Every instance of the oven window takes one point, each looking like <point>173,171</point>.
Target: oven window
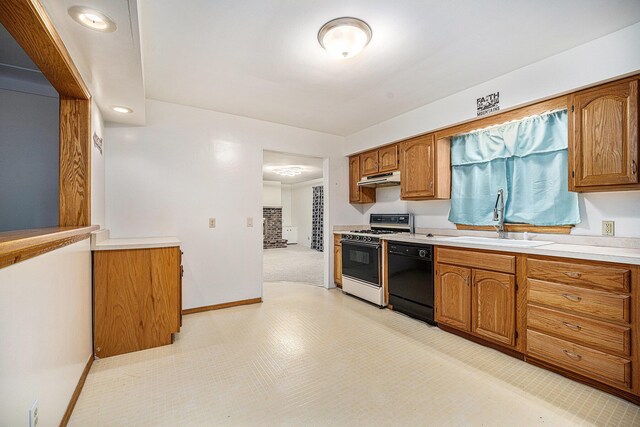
<point>361,262</point>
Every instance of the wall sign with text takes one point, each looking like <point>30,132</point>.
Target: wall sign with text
<point>97,142</point>
<point>488,104</point>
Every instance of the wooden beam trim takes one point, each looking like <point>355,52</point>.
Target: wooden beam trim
<point>76,393</point>
<point>29,24</point>
<point>221,306</point>
<point>17,246</point>
<point>74,201</point>
<point>520,228</point>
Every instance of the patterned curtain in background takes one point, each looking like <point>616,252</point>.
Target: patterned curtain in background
<point>317,229</point>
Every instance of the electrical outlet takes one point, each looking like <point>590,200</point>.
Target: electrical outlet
<point>249,222</point>
<point>212,223</point>
<point>33,414</point>
<point>608,228</point>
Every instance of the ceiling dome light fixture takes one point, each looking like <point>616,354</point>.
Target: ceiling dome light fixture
<point>289,171</point>
<point>123,110</point>
<point>92,19</point>
<point>344,37</point>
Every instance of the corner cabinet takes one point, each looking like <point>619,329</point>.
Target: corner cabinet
<point>358,194</point>
<point>425,171</point>
<point>603,138</point>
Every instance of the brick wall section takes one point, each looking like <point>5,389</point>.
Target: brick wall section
<point>272,229</point>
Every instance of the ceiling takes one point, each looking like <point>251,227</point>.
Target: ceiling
<point>311,167</point>
<point>110,63</point>
<point>261,59</point>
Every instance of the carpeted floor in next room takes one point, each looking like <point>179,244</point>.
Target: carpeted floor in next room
<point>295,263</point>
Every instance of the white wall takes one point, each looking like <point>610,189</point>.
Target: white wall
<point>189,164</point>
<point>45,325</point>
<point>301,209</point>
<point>286,205</point>
<point>271,194</point>
<point>608,57</point>
<point>97,168</point>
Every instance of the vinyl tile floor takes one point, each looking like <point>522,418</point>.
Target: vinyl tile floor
<point>308,356</point>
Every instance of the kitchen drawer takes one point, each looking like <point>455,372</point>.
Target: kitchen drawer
<point>483,260</point>
<point>570,273</point>
<point>602,336</point>
<point>595,364</point>
<point>599,304</point>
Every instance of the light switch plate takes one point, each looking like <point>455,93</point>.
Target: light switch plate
<point>249,222</point>
<point>33,415</point>
<point>608,228</point>
<point>212,223</point>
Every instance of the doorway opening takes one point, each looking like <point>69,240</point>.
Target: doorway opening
<point>293,218</point>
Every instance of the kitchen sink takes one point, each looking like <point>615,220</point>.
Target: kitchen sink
<point>499,242</point>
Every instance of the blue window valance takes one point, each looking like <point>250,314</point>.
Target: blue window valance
<point>527,159</point>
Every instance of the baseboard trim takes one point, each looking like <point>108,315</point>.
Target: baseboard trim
<point>220,306</point>
<point>76,393</point>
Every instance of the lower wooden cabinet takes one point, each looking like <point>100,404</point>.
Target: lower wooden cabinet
<point>582,318</point>
<point>453,296</point>
<point>473,300</point>
<point>337,260</point>
<point>137,299</point>
<point>493,308</point>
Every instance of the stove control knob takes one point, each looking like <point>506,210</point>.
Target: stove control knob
<point>356,237</point>
<point>422,253</point>
<point>368,238</point>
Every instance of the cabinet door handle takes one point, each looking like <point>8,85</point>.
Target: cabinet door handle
<point>466,280</point>
<point>572,355</point>
<point>572,326</point>
<point>574,298</point>
<point>633,167</point>
<point>573,274</point>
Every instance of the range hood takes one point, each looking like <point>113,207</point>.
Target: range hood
<point>380,180</point>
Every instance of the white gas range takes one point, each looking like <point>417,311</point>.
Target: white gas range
<point>362,256</point>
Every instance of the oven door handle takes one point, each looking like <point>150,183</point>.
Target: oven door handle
<point>368,245</point>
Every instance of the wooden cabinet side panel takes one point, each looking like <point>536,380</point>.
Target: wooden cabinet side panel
<point>493,306</point>
<point>165,283</point>
<point>337,260</point>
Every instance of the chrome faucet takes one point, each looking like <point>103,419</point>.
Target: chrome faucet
<point>498,215</point>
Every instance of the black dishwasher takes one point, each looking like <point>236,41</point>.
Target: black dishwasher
<point>411,280</point>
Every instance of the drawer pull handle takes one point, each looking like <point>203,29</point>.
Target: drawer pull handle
<point>572,274</point>
<point>574,298</point>
<point>572,326</point>
<point>572,355</point>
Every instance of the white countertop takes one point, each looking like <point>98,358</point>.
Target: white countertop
<point>100,241</point>
<point>576,251</point>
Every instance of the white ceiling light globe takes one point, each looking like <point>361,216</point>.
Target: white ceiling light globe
<point>344,37</point>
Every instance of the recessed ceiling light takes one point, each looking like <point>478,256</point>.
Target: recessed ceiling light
<point>92,19</point>
<point>344,37</point>
<point>123,110</point>
<point>289,171</point>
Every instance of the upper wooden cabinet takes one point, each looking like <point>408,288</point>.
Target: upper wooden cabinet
<point>603,137</point>
<point>382,160</point>
<point>425,169</point>
<point>358,194</point>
